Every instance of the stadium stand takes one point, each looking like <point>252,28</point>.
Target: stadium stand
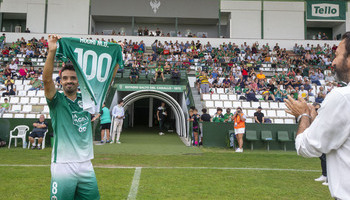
<point>243,65</point>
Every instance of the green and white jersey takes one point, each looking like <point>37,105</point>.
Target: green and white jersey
<point>94,61</point>
<point>72,130</point>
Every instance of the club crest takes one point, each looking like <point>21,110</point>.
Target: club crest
<point>155,5</point>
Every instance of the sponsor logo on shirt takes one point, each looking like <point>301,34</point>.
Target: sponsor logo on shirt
<point>80,120</point>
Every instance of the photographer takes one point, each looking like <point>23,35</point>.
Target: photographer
<point>239,119</point>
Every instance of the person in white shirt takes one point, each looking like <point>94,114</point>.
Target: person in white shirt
<point>304,93</point>
<point>13,67</point>
<point>118,115</point>
<point>329,131</point>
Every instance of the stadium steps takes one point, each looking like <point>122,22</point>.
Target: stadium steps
<point>197,99</point>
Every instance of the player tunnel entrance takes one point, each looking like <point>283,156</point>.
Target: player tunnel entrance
<point>157,96</point>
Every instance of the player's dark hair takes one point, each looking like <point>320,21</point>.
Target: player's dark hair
<point>346,37</point>
<point>68,66</point>
<point>120,101</point>
<point>219,109</point>
<point>204,110</point>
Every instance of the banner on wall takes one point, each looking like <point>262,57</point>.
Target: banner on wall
<point>326,10</point>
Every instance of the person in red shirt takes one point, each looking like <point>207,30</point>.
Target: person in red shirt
<point>6,52</point>
<point>245,73</point>
<point>23,72</point>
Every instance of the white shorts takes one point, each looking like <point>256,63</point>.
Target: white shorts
<point>239,131</point>
<point>73,181</point>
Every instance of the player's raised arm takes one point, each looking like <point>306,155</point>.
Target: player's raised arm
<point>49,85</point>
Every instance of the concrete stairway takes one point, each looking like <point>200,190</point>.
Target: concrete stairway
<point>197,99</point>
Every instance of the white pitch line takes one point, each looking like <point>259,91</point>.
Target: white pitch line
<point>135,184</point>
<point>150,167</point>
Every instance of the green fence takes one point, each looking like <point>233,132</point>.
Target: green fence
<point>6,125</point>
<point>216,134</point>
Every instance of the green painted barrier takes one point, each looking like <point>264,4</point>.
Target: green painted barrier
<point>216,134</point>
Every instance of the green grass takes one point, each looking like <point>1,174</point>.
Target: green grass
<point>151,150</point>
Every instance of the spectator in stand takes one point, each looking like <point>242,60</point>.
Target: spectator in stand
<point>2,81</point>
<point>204,83</point>
<point>321,95</point>
<point>226,83</point>
<point>205,117</point>
<point>40,127</point>
<point>31,72</point>
<point>176,76</point>
<point>259,116</point>
<point>167,68</point>
<point>13,67</point>
<point>319,74</point>
<point>5,52</point>
<point>23,73</point>
<point>314,79</point>
<point>261,76</point>
<point>27,60</point>
<point>27,30</point>
<point>270,90</point>
<point>146,32</point>
<point>329,77</point>
<point>239,126</point>
<point>9,83</point>
<point>303,93</point>
<point>279,93</point>
<point>250,94</point>
<point>36,83</point>
<point>228,115</point>
<point>217,83</point>
<point>159,73</point>
<point>134,74</point>
<point>158,32</point>
<point>218,117</point>
<point>140,31</point>
<point>5,107</point>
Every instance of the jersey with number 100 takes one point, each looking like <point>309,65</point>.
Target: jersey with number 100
<point>94,62</point>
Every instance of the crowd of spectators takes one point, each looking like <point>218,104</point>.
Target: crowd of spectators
<point>229,66</point>
<point>13,69</point>
<point>157,33</point>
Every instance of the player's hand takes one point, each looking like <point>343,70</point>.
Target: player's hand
<point>121,44</point>
<point>297,107</point>
<point>52,42</point>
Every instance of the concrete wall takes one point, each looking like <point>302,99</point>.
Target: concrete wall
<point>245,19</point>
<point>35,10</point>
<point>67,16</point>
<point>36,16</point>
<point>339,29</point>
<point>14,6</point>
<point>347,26</point>
<point>284,20</point>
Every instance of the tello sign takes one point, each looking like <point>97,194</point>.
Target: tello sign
<point>325,10</point>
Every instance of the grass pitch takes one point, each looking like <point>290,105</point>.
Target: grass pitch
<point>169,170</point>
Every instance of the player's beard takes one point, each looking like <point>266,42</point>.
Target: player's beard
<point>70,88</point>
<point>342,71</point>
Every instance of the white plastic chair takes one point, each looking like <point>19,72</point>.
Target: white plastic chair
<point>22,132</point>
<point>36,139</point>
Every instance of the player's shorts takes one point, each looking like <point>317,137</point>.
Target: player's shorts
<point>105,126</point>
<point>37,134</point>
<point>239,131</point>
<point>73,181</point>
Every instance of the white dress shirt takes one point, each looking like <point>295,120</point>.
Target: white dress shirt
<point>330,134</point>
<point>118,111</point>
